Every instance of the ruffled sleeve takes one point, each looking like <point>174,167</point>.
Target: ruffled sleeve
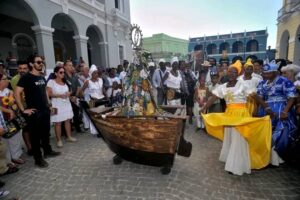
<point>218,91</point>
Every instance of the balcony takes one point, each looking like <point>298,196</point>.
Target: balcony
<point>287,10</point>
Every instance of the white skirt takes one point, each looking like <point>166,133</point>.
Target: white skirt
<point>275,158</point>
<point>64,110</point>
<point>14,146</point>
<point>89,124</point>
<point>235,152</point>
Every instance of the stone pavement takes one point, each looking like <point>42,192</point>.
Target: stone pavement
<point>85,172</point>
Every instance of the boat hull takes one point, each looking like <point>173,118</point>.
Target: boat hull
<point>146,140</point>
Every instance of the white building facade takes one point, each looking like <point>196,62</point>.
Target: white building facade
<point>96,30</point>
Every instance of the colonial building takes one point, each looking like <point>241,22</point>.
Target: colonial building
<point>96,30</point>
<point>242,44</point>
<point>288,31</point>
<point>164,46</point>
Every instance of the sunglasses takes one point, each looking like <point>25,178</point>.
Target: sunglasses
<point>61,72</point>
<point>3,79</point>
<point>39,62</point>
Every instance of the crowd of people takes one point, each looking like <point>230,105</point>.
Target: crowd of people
<point>252,107</point>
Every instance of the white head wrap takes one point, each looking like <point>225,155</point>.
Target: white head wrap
<point>151,64</point>
<point>174,59</point>
<point>92,69</point>
<point>162,60</point>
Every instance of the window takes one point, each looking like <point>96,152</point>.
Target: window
<point>121,54</point>
<point>117,4</point>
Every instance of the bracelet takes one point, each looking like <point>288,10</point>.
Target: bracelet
<point>284,112</point>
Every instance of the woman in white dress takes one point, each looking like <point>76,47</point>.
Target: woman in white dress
<point>246,140</point>
<point>173,80</point>
<point>59,93</point>
<point>94,91</point>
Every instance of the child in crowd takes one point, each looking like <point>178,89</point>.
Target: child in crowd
<point>216,106</point>
<point>200,99</point>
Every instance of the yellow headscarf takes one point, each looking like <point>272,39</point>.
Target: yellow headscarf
<point>248,63</point>
<point>237,65</point>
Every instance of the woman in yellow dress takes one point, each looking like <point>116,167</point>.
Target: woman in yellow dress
<point>246,140</point>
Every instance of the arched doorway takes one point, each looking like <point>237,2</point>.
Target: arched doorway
<point>238,47</point>
<point>17,39</point>
<point>59,51</point>
<point>211,49</point>
<point>96,46</point>
<point>296,59</point>
<point>224,47</point>
<point>65,30</point>
<point>252,46</point>
<point>23,45</point>
<point>284,45</point>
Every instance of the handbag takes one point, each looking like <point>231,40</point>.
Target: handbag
<point>14,126</point>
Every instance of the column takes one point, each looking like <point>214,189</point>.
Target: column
<point>81,47</point>
<point>44,40</point>
<point>104,54</point>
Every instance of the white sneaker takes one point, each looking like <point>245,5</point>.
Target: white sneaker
<point>72,139</point>
<point>3,193</point>
<point>59,144</point>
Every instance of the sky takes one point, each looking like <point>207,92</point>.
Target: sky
<point>196,18</point>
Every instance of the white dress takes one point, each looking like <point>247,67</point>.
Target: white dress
<point>235,149</point>
<point>174,83</point>
<point>95,90</point>
<point>64,108</point>
<point>14,144</point>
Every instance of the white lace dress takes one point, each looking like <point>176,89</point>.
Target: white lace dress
<point>64,108</point>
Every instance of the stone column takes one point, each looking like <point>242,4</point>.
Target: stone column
<point>44,40</point>
<point>104,54</point>
<point>81,47</point>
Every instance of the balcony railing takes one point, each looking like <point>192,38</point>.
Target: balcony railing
<point>288,8</point>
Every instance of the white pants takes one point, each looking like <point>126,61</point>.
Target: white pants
<point>88,124</point>
<point>199,120</point>
<point>235,152</point>
<point>14,146</point>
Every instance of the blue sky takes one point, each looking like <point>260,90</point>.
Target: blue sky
<point>193,18</point>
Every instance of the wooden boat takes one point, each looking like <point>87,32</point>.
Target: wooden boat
<point>151,140</point>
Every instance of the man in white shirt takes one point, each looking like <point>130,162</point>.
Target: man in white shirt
<point>157,82</point>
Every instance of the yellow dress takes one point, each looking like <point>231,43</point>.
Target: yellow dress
<point>256,131</point>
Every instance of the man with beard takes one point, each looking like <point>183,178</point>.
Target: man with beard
<point>36,112</point>
<point>22,69</point>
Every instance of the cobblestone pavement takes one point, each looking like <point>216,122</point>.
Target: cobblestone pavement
<point>85,172</point>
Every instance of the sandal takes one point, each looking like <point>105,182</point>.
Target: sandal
<point>4,193</point>
<point>18,161</point>
<point>10,170</point>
